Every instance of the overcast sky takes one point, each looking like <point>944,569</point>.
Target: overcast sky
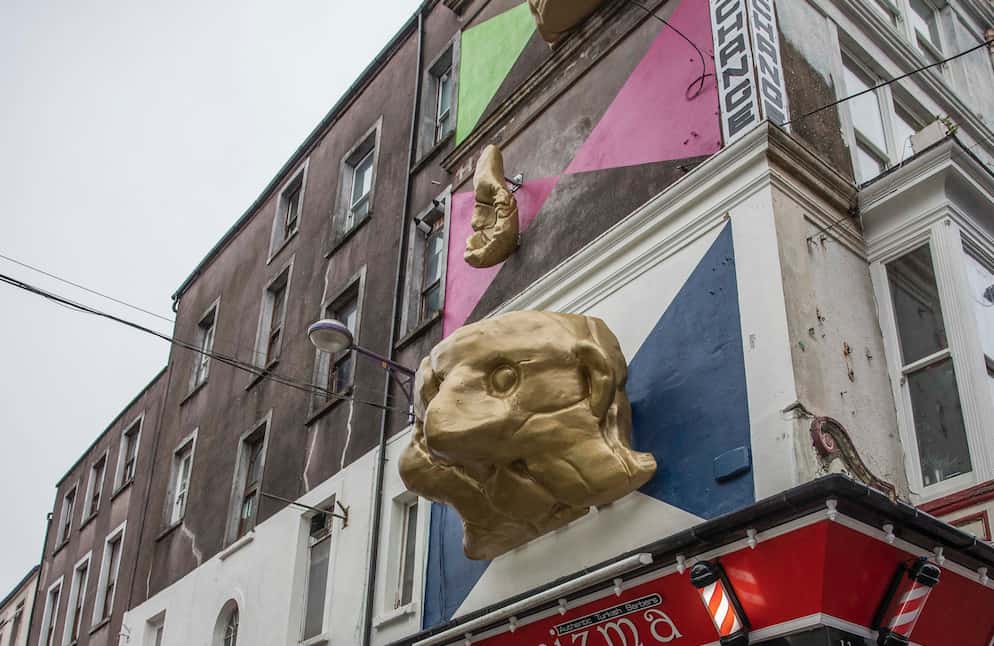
<point>132,135</point>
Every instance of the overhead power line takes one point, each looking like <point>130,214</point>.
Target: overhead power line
<point>222,358</point>
<point>84,288</point>
<point>888,82</point>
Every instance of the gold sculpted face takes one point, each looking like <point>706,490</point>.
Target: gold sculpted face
<point>522,424</point>
<point>495,216</point>
<point>557,17</point>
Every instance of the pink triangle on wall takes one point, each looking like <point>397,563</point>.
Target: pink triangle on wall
<point>651,119</point>
<point>465,285</point>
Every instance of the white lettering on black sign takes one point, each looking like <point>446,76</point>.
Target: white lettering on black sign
<point>734,68</point>
<point>766,40</point>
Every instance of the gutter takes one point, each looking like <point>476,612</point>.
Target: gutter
<point>381,461</point>
<point>20,585</point>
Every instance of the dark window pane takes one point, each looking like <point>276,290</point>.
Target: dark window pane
<point>917,309</point>
<point>942,445</point>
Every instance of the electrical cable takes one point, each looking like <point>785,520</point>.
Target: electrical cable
<point>699,81</point>
<point>224,359</point>
<point>886,83</point>
<point>84,288</point>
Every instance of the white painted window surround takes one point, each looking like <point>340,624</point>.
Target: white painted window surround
<point>110,566</point>
<point>50,616</point>
<point>935,342</point>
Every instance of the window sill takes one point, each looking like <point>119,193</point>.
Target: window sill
<point>340,241</point>
<point>237,546</point>
<point>328,406</point>
<point>60,547</point>
<point>320,640</point>
<point>283,245</point>
<point>122,488</point>
<point>432,151</point>
<point>193,391</point>
<point>420,329</point>
<point>265,373</point>
<point>169,530</point>
<point>97,626</point>
<point>88,520</point>
<point>395,615</point>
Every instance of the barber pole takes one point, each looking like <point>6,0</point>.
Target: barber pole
<point>721,603</point>
<point>904,605</point>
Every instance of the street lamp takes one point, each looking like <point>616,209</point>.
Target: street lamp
<point>333,336</point>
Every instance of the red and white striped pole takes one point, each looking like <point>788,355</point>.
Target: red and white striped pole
<point>721,603</point>
<point>907,603</point>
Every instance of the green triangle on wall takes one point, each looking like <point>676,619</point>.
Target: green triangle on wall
<point>488,51</point>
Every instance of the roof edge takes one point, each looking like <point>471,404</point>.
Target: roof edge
<point>20,585</point>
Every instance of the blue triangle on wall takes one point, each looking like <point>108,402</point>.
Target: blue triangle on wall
<point>687,386</point>
<point>689,407</point>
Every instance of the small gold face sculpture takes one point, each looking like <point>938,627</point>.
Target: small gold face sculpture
<point>495,216</point>
<point>522,424</point>
<point>555,18</point>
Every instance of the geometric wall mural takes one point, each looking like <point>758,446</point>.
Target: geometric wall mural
<point>687,387</point>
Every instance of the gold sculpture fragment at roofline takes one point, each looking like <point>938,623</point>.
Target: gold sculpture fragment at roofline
<point>522,424</point>
<point>495,216</point>
<point>556,18</point>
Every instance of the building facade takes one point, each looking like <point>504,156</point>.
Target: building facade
<point>15,611</point>
<point>801,281</point>
<point>87,570</point>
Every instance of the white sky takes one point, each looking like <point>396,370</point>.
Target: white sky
<point>132,135</point>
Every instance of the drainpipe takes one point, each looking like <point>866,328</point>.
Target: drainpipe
<point>381,462</point>
<point>39,583</point>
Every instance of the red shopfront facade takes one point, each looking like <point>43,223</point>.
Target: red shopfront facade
<point>822,565</point>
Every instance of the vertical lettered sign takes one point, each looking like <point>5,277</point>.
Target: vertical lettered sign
<point>769,68</point>
<point>737,93</point>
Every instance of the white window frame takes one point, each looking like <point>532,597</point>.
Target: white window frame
<point>283,277</point>
<point>899,13</point>
<point>391,607</point>
<point>119,477</point>
<point>155,627</point>
<point>95,488</point>
<point>175,512</point>
<point>50,616</point>
<point>100,612</point>
<point>77,590</point>
<point>896,151</point>
<point>441,206</point>
<point>66,515</point>
<point>366,149</point>
<point>355,287</point>
<point>280,236</point>
<point>206,335</point>
<point>238,484</point>
<point>945,238</point>
<point>307,542</point>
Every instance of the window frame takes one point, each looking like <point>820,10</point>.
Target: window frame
<point>366,148</point>
<point>324,364</point>
<point>429,138</point>
<point>50,614</point>
<point>120,469</point>
<point>412,318</point>
<point>155,628</point>
<point>947,240</point>
<point>206,336</point>
<point>66,514</point>
<point>891,109</point>
<point>15,623</point>
<point>264,336</point>
<point>94,490</point>
<point>186,448</point>
<point>900,12</point>
<point>239,487</point>
<point>76,601</point>
<point>281,235</point>
<point>309,542</point>
<point>101,611</point>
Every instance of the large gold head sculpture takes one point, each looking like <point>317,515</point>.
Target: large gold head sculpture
<point>522,424</point>
<point>495,215</point>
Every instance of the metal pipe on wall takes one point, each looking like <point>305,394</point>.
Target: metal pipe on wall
<point>374,550</point>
